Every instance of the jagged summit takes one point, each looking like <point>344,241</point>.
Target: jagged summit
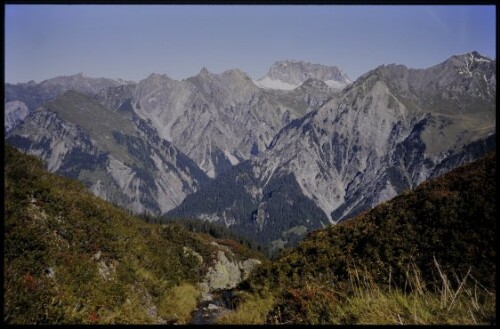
<point>204,71</point>
<point>158,76</point>
<point>314,83</point>
<point>289,74</point>
<point>236,73</point>
<point>467,60</point>
<point>474,55</point>
<point>296,72</point>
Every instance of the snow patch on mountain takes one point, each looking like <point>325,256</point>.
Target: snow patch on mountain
<point>288,75</point>
<point>336,85</point>
<point>296,72</point>
<point>268,83</point>
<point>482,59</point>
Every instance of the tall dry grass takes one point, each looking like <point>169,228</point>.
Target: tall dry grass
<point>454,299</point>
<point>252,310</point>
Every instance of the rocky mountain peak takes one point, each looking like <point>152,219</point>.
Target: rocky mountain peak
<point>204,71</point>
<point>313,83</point>
<point>157,76</point>
<point>32,95</point>
<point>154,81</point>
<point>473,56</point>
<point>237,73</point>
<point>466,62</point>
<point>296,72</point>
<point>289,74</point>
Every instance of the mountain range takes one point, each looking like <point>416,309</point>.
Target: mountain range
<point>390,130</point>
<point>265,161</point>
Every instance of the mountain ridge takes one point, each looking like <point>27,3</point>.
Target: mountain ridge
<point>337,151</point>
<point>32,95</point>
<point>116,154</point>
<point>371,142</point>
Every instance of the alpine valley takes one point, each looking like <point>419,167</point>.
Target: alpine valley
<point>271,159</point>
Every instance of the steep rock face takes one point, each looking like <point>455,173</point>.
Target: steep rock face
<point>218,120</point>
<point>460,95</point>
<point>116,154</point>
<point>15,112</point>
<point>288,75</point>
<point>387,132</point>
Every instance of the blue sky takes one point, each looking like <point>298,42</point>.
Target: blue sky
<point>130,42</point>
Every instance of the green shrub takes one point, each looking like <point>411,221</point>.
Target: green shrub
<point>177,304</point>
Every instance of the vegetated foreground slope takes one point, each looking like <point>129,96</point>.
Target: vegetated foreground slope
<point>71,257</point>
<point>426,256</point>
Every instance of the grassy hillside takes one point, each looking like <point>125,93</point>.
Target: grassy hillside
<point>98,121</point>
<point>70,257</point>
<point>426,256</point>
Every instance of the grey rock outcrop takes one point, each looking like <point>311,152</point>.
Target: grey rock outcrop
<point>15,112</point>
<point>225,273</point>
